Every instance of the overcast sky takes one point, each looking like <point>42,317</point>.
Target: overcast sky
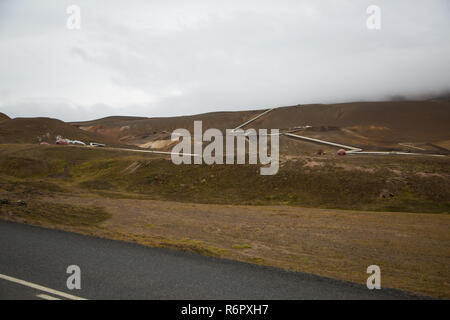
<point>165,58</point>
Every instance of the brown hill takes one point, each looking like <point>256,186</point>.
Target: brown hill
<point>364,124</point>
<point>368,125</point>
<point>416,118</point>
<point>34,130</point>
<point>139,131</point>
<point>3,117</point>
<point>107,121</point>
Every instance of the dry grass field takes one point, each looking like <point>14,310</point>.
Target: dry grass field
<point>412,249</point>
<point>324,215</point>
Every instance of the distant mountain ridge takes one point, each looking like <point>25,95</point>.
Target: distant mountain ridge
<point>384,121</point>
<point>36,130</point>
<point>369,125</point>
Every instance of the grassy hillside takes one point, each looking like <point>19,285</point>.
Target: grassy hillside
<point>413,184</point>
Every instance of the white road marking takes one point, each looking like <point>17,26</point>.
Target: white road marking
<point>41,288</point>
<point>47,297</point>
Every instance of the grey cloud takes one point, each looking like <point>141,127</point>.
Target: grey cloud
<point>154,58</point>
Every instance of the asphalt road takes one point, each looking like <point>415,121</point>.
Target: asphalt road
<point>33,264</point>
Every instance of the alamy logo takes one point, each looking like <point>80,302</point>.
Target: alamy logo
<point>374,281</point>
<point>74,280</point>
<point>74,20</point>
<point>374,20</point>
<point>235,140</point>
